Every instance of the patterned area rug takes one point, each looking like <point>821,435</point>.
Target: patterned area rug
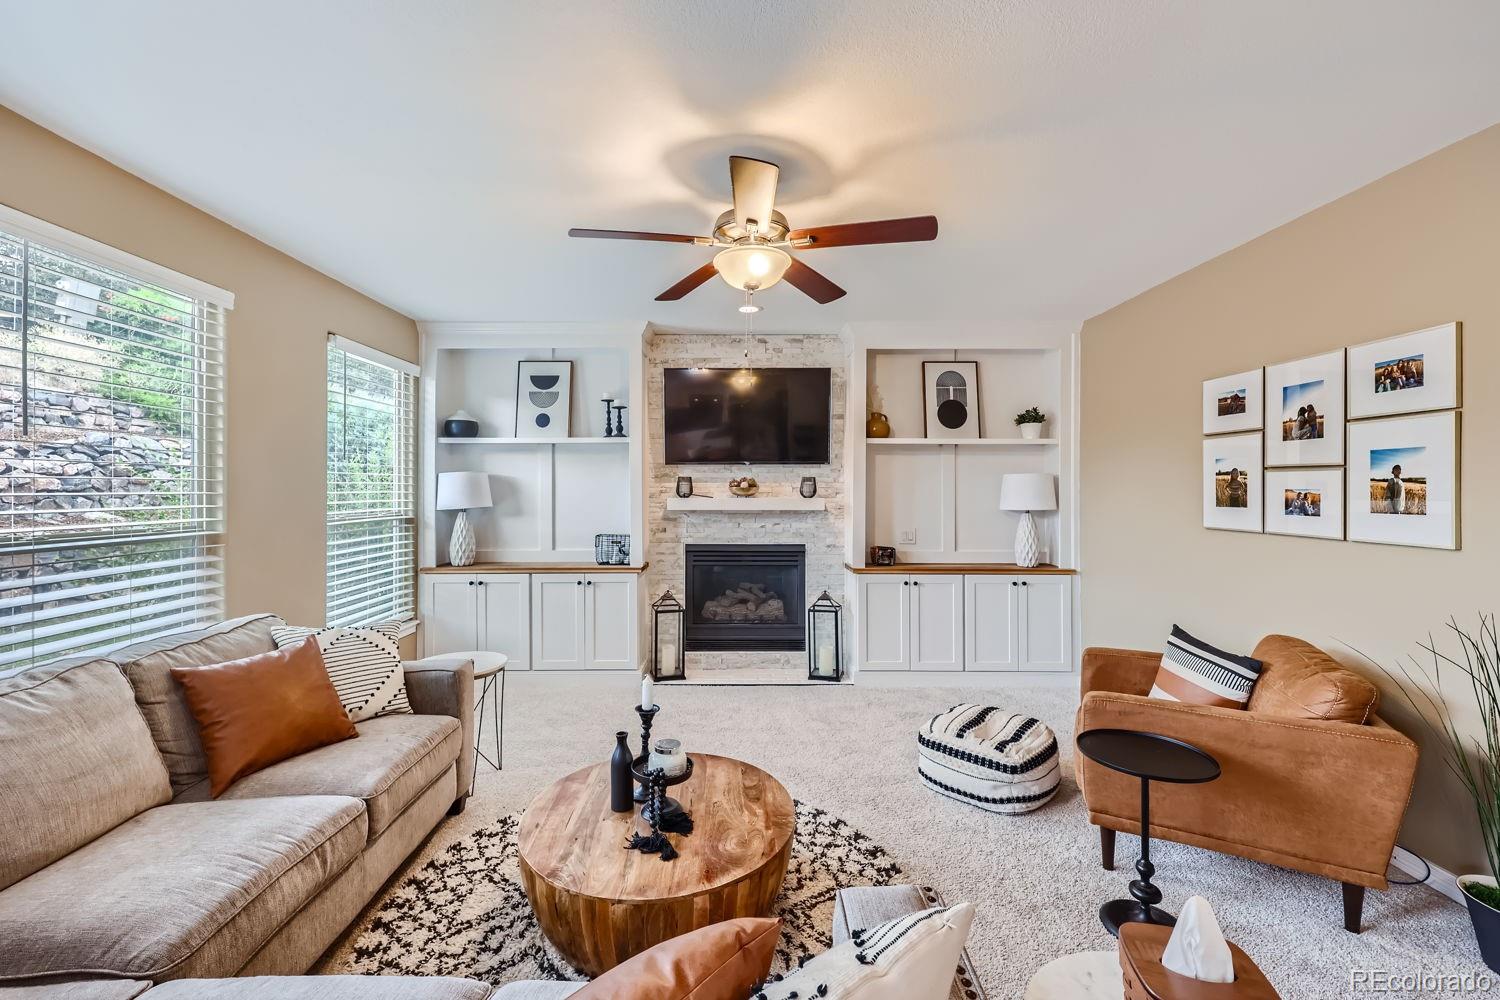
<point>465,913</point>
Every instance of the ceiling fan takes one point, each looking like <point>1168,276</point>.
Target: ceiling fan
<point>755,240</point>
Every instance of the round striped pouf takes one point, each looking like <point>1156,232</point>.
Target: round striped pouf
<point>1001,761</point>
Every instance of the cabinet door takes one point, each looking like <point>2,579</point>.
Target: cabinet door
<point>505,617</point>
<point>557,605</point>
<point>992,633</point>
<point>449,612</point>
<point>1047,623</point>
<point>884,622</point>
<point>610,621</point>
<point>937,621</point>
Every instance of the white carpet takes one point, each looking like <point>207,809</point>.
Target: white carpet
<point>1035,879</point>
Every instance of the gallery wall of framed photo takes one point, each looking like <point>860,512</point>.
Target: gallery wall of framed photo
<point>1359,444</point>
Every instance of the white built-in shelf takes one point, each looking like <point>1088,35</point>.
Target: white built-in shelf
<point>744,505</point>
<point>534,441</point>
<point>965,442</point>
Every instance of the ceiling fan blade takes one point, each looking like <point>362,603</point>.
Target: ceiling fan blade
<point>625,234</point>
<point>754,185</point>
<point>689,283</point>
<point>851,234</point>
<point>813,284</point>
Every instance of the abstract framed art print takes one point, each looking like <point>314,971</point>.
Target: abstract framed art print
<point>950,397</point>
<point>544,399</point>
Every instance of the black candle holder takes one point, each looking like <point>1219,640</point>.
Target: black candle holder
<point>619,420</point>
<point>642,793</point>
<point>608,431</point>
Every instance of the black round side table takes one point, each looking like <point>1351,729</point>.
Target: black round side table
<point>1150,757</point>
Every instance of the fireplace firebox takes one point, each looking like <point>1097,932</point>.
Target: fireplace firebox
<point>746,597</point>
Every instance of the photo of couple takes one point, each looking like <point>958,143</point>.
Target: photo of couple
<point>1402,373</point>
<point>1302,503</point>
<point>1300,419</point>
<point>1397,484</point>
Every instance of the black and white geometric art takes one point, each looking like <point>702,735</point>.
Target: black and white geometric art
<point>544,397</point>
<point>950,392</point>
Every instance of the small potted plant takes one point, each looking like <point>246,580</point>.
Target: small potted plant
<point>1031,422</point>
<point>1472,753</point>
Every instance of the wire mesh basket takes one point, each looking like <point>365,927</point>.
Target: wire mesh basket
<point>612,550</point>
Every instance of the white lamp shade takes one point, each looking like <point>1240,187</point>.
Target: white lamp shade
<point>463,490</point>
<point>752,265</point>
<point>1028,491</point>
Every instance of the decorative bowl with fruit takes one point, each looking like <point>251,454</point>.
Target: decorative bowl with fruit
<point>744,486</point>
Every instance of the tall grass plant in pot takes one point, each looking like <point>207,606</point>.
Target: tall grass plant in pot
<point>1474,758</point>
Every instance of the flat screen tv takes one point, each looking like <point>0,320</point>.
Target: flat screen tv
<point>768,416</point>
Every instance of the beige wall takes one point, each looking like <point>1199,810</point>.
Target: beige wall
<point>277,400</point>
<point>1414,249</point>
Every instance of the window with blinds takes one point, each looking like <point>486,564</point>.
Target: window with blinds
<point>372,527</point>
<point>111,449</point>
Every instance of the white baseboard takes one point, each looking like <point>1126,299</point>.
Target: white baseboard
<point>1440,879</point>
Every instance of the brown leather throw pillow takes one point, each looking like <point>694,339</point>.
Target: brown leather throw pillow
<point>254,712</point>
<point>722,961</point>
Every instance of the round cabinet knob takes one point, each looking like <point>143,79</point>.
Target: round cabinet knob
<point>916,583</point>
<point>1023,583</point>
<point>471,583</point>
<point>579,582</point>
<point>1014,583</point>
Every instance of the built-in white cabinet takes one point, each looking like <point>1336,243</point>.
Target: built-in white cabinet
<point>465,611</point>
<point>1018,622</point>
<point>952,622</point>
<point>911,622</point>
<point>544,621</point>
<point>582,622</point>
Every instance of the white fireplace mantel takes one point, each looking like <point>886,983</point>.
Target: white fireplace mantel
<point>744,505</point>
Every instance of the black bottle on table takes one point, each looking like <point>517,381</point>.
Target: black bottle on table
<point>621,783</point>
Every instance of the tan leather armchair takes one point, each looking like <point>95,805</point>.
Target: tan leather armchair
<point>1312,779</point>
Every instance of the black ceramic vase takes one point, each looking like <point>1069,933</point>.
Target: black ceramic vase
<point>621,784</point>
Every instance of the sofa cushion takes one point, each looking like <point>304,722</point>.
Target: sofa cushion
<point>1193,671</point>
<point>363,663</point>
<point>148,666</point>
<point>77,989</point>
<point>262,710</point>
<point>394,760</point>
<point>182,889</point>
<point>323,988</point>
<point>76,760</point>
<point>1300,681</point>
<point>723,961</point>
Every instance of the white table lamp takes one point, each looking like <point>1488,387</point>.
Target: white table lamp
<point>463,492</point>
<point>1026,492</point>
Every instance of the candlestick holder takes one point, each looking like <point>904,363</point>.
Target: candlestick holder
<point>608,431</point>
<point>619,420</point>
<point>647,715</point>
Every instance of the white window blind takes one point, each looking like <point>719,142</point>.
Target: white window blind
<point>372,525</point>
<point>111,449</point>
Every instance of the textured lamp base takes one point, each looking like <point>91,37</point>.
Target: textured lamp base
<point>1028,545</point>
<point>461,545</point>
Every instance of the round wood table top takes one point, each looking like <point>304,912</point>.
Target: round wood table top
<point>743,820</point>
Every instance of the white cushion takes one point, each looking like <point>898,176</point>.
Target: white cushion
<point>1000,761</point>
<point>363,663</point>
<point>909,958</point>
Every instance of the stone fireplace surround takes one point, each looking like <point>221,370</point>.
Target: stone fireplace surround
<point>821,533</point>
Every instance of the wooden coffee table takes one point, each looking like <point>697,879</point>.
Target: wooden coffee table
<point>599,904</point>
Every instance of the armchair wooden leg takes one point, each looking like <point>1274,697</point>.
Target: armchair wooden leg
<point>458,805</point>
<point>1107,848</point>
<point>1354,905</point>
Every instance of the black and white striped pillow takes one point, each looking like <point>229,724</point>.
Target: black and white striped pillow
<point>363,663</point>
<point>1192,671</point>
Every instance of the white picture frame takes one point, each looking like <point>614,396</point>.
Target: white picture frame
<point>544,399</point>
<point>1313,385</point>
<point>1308,503</point>
<point>1416,372</point>
<point>1425,447</point>
<point>1227,459</point>
<point>950,399</point>
<point>1233,404</point>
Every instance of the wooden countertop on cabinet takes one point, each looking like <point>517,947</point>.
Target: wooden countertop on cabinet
<point>966,569</point>
<point>534,568</point>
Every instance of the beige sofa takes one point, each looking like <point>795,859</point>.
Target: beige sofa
<point>116,865</point>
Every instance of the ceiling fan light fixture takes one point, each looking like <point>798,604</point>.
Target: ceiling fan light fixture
<point>751,267</point>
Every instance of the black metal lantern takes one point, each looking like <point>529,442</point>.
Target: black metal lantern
<point>825,650</point>
<point>668,657</point>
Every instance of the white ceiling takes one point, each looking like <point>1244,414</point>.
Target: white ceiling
<point>433,154</point>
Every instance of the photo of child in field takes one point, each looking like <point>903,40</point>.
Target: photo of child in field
<point>1300,419</point>
<point>1401,373</point>
<point>1302,503</point>
<point>1231,488</point>
<point>1398,481</point>
<point>1232,403</point>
